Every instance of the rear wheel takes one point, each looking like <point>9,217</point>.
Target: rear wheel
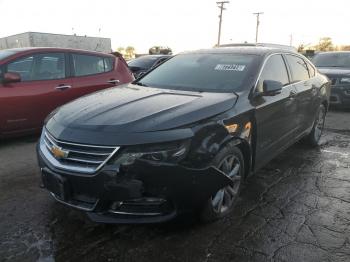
<point>230,161</point>
<point>314,137</point>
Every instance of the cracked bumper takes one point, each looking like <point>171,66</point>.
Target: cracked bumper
<point>143,193</point>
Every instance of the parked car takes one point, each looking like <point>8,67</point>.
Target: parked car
<point>160,50</point>
<point>142,64</point>
<point>336,65</point>
<point>35,81</point>
<point>183,137</point>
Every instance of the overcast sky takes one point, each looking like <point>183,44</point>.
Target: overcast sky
<point>180,24</point>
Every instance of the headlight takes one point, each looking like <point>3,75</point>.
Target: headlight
<point>345,80</point>
<point>168,153</point>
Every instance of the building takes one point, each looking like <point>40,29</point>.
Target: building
<point>35,39</point>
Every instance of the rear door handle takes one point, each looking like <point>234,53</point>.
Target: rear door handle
<point>63,87</point>
<point>113,81</point>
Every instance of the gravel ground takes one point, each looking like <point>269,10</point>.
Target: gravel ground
<point>295,209</point>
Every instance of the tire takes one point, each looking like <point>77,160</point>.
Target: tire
<point>313,139</point>
<point>224,200</point>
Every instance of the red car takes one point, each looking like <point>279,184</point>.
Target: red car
<point>35,81</point>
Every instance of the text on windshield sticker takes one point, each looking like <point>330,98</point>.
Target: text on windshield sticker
<point>222,67</point>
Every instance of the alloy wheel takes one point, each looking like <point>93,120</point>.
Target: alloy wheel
<point>225,197</point>
<point>319,124</point>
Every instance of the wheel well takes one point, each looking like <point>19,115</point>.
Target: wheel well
<point>246,151</point>
<point>325,103</point>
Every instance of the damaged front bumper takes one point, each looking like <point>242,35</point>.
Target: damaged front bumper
<point>146,192</point>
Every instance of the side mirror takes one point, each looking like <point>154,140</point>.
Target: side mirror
<point>271,87</point>
<point>11,77</point>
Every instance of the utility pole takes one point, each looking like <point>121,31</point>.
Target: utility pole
<point>221,5</point>
<point>257,25</point>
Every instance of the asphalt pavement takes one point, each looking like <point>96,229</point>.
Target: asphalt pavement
<point>297,208</point>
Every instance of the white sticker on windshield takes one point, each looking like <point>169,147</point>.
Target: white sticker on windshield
<point>222,67</point>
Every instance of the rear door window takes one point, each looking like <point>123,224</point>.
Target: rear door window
<point>274,69</point>
<point>85,65</point>
<point>298,67</point>
<point>49,66</point>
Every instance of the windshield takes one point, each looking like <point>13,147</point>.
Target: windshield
<point>332,60</point>
<point>6,53</point>
<point>143,62</point>
<point>201,72</point>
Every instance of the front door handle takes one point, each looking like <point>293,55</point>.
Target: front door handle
<point>63,87</point>
<point>113,81</point>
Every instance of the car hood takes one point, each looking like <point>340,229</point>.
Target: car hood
<point>334,71</point>
<point>135,109</point>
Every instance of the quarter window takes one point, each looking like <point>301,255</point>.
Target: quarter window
<point>274,69</point>
<point>298,67</point>
<point>90,65</point>
<point>108,64</point>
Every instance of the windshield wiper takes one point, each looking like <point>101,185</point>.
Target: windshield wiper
<point>140,84</point>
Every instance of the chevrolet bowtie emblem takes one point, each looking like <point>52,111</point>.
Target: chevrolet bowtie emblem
<point>58,152</point>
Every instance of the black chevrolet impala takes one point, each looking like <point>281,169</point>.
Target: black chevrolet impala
<point>182,138</point>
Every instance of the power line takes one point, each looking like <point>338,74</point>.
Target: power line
<point>257,25</point>
<point>221,5</point>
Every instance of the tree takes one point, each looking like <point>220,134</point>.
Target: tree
<point>301,48</point>
<point>325,44</point>
<point>121,49</point>
<point>345,48</point>
<point>130,52</point>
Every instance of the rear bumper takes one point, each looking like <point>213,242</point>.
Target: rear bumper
<point>143,193</point>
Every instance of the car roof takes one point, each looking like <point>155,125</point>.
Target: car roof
<point>255,50</point>
<point>50,49</point>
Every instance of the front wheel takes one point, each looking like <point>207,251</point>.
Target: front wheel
<point>314,137</point>
<point>230,161</point>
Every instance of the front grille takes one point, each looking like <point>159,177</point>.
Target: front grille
<point>334,81</point>
<point>75,157</point>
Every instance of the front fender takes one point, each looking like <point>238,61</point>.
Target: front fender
<point>211,138</point>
